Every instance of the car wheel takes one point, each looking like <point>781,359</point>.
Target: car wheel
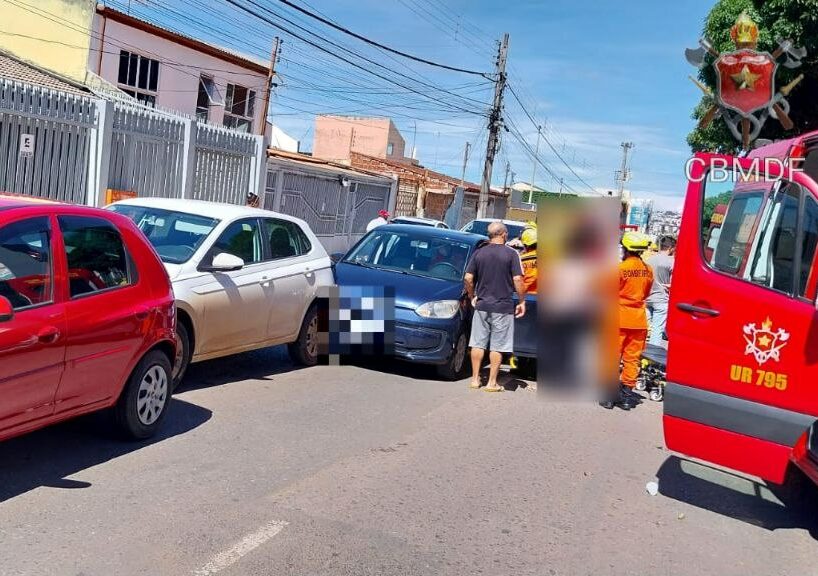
<point>304,351</point>
<point>455,366</point>
<point>144,401</point>
<point>183,354</point>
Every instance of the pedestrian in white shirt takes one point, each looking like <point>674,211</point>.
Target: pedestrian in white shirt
<point>383,218</point>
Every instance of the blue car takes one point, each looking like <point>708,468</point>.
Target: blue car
<point>425,267</point>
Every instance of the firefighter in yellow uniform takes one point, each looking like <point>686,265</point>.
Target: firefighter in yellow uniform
<point>529,259</point>
<point>635,282</point>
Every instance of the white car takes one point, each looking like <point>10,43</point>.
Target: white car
<point>243,278</point>
<point>418,221</point>
<point>481,226</point>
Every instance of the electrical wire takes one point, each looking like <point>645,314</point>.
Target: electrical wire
<point>548,142</point>
<point>342,58</point>
<point>348,32</point>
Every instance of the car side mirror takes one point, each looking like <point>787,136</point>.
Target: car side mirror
<point>336,257</point>
<point>6,310</point>
<point>224,262</point>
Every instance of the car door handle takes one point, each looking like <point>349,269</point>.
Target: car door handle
<point>265,281</point>
<point>309,273</point>
<point>697,310</point>
<point>141,314</point>
<point>48,334</point>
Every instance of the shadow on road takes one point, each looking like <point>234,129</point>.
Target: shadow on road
<point>510,380</point>
<point>48,456</point>
<point>256,365</point>
<point>791,506</point>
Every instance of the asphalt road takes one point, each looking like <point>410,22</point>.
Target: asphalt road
<point>267,470</point>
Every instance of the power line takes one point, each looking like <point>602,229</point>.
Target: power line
<point>547,141</point>
<point>515,132</point>
<point>187,20</point>
<point>379,45</point>
<point>339,57</point>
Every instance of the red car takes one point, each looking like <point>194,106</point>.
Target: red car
<point>87,319</point>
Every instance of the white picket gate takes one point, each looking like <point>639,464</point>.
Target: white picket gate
<point>45,142</point>
<point>73,148</point>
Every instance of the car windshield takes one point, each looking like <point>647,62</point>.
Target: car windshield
<point>175,235</point>
<point>420,255</point>
<point>482,227</point>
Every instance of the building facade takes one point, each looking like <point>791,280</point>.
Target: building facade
<point>337,137</point>
<point>162,68</point>
<point>52,34</point>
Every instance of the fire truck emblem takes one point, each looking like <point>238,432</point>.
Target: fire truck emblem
<point>745,94</point>
<point>764,343</point>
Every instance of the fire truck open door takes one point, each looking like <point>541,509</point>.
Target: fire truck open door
<point>743,328</point>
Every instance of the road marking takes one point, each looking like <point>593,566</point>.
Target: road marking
<point>246,545</point>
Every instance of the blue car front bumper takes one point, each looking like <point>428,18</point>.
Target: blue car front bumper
<point>425,340</point>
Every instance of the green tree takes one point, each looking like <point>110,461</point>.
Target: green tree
<point>710,206</point>
<point>793,19</point>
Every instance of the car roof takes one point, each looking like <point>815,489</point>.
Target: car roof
<point>217,210</point>
<point>512,222</point>
<point>8,201</point>
<point>416,219</point>
<point>431,232</point>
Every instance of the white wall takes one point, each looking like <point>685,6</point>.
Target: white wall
<point>179,69</point>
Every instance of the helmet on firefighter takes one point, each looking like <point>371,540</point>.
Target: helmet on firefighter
<point>635,241</point>
<point>529,237</point>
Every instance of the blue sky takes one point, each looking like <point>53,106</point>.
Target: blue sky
<point>594,73</point>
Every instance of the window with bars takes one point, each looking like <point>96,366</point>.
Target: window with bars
<point>138,76</point>
<point>239,107</point>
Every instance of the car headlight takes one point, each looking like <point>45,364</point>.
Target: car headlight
<point>438,309</point>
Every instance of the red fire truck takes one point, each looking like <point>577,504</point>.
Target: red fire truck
<point>742,366</point>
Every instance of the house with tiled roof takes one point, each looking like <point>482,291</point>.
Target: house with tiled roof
<point>118,55</point>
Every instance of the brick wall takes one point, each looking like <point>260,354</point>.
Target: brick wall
<point>439,187</point>
<point>437,203</point>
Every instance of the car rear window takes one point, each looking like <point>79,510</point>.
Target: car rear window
<point>482,228</point>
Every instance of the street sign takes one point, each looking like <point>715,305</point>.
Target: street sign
<point>26,145</point>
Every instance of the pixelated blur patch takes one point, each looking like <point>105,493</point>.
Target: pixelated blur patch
<point>577,308</point>
<point>356,321</point>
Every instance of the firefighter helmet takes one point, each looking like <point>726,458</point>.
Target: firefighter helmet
<point>635,241</point>
<point>529,237</point>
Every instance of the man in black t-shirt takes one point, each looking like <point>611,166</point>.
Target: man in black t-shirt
<point>492,276</point>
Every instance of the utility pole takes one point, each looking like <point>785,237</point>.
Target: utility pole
<point>562,183</point>
<point>505,182</point>
<point>465,162</point>
<point>534,163</point>
<point>495,123</point>
<point>624,174</point>
<point>273,59</point>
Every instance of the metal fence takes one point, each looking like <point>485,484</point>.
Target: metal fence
<point>336,208</point>
<point>225,164</point>
<point>73,148</point>
<point>45,142</point>
<point>146,152</point>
